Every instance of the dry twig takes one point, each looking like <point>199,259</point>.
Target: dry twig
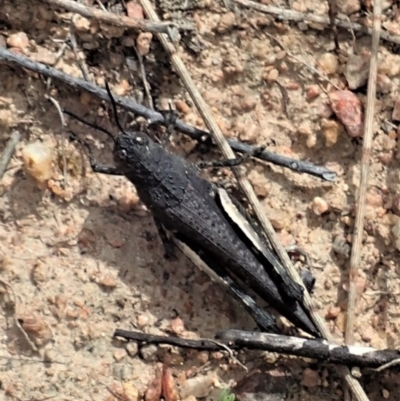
<point>9,151</point>
<point>111,18</point>
<point>156,117</point>
<point>355,258</point>
<point>288,345</point>
<point>291,15</point>
<point>79,58</point>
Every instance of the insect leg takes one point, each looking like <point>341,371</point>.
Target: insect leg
<point>305,274</point>
<point>167,243</point>
<point>263,319</point>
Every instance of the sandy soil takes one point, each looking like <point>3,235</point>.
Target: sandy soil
<point>78,262</point>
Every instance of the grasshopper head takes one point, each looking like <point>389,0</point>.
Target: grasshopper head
<point>131,148</point>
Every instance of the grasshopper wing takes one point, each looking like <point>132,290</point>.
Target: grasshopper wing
<point>290,289</point>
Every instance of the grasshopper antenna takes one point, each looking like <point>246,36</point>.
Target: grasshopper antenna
<point>89,124</point>
<point>114,106</point>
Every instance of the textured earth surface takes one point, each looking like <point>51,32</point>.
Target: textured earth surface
<point>80,255</point>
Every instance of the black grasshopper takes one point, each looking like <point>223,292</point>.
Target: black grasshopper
<point>193,210</point>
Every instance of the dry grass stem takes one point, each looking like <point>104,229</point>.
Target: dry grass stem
<point>365,164</point>
<point>111,18</point>
<point>297,16</point>
<point>8,152</point>
<point>62,125</point>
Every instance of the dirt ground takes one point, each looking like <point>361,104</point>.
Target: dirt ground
<point>80,261</point>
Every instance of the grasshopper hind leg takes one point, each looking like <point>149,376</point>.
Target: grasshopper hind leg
<point>169,246</point>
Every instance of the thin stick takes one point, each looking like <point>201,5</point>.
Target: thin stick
<point>8,152</point>
<point>355,258</point>
<point>311,68</point>
<point>291,15</point>
<point>79,58</point>
<point>16,321</point>
<point>287,345</point>
<point>156,117</point>
<point>145,82</point>
<point>62,125</point>
<point>111,18</point>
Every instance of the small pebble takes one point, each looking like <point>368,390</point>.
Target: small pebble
<point>260,184</point>
<point>170,391</point>
<point>319,206</point>
<point>131,393</point>
<point>332,313</point>
<point>39,272</point>
<point>38,158</point>
<point>182,107</point>
<point>368,334</point>
<point>19,40</point>
<point>272,76</point>
<point>348,7</point>
<point>81,24</point>
<point>385,394</point>
<point>279,219</point>
<point>149,352</point>
<point>356,372</point>
<point>49,355</point>
<point>310,378</point>
<point>143,42</point>
<point>132,349</point>
<point>305,129</point>
<point>311,141</point>
<point>226,23</point>
<point>134,10</point>
<point>177,326</point>
<point>217,355</point>
<point>154,388</point>
<point>202,357</point>
<point>143,320</point>
<point>357,70</point>
<point>313,91</point>
<point>347,107</point>
<point>328,63</point>
<point>330,129</point>
<point>108,281</point>
<point>199,386</point>
<point>383,84</point>
<point>119,354</point>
